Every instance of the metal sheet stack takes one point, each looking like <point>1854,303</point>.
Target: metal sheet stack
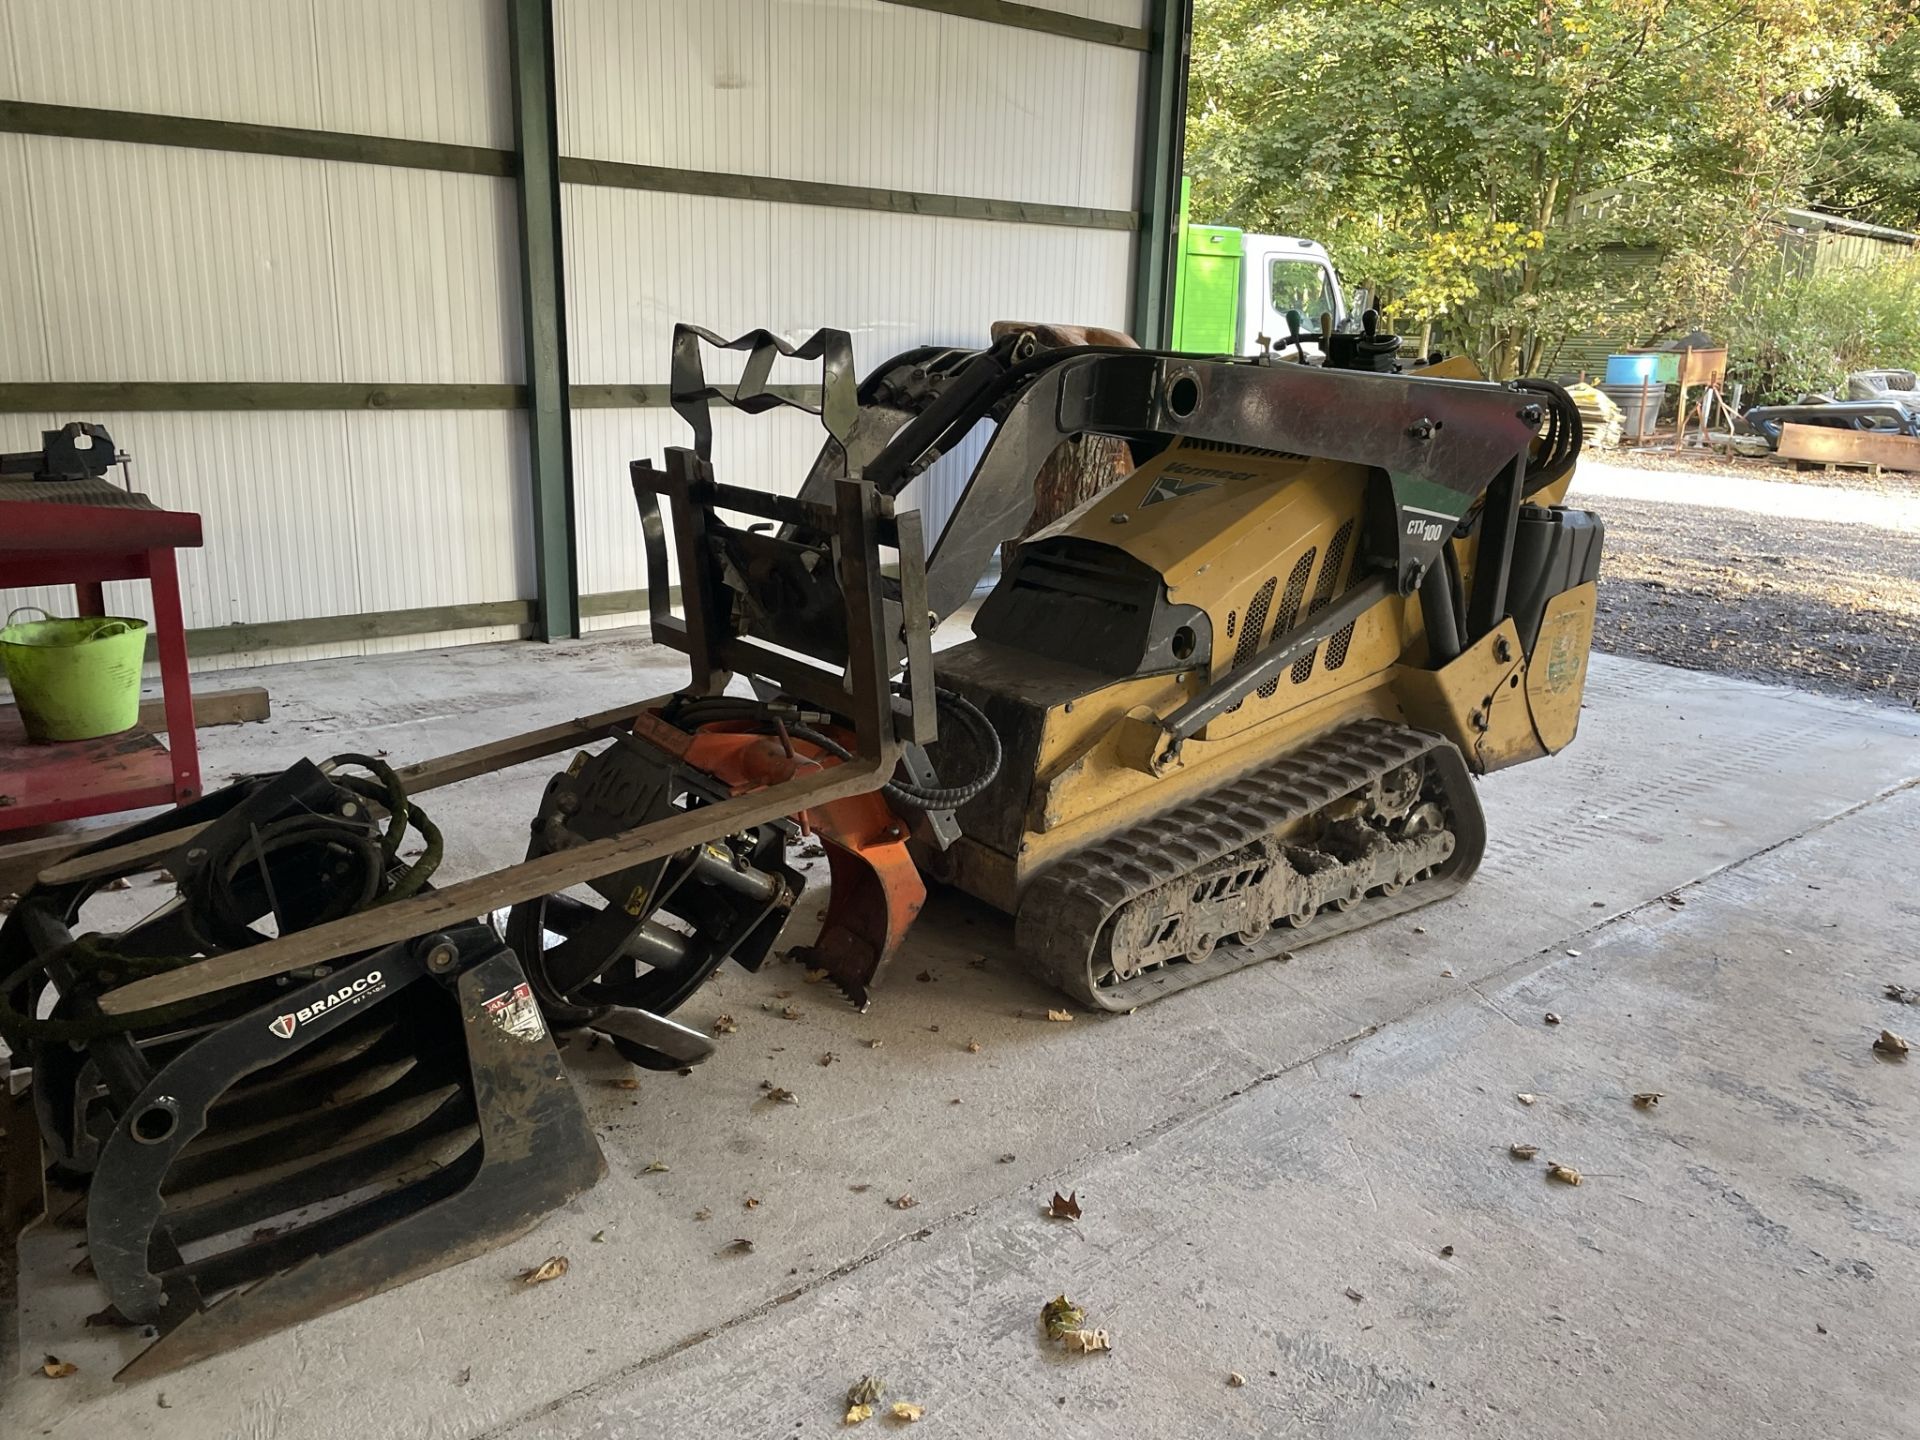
<point>1602,418</point>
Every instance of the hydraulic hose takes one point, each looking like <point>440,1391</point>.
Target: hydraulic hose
<point>1560,447</point>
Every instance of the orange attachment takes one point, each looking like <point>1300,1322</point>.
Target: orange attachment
<point>874,889</point>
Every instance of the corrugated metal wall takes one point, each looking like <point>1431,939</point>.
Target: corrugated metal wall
<point>141,262</point>
<point>851,92</point>
<point>127,262</point>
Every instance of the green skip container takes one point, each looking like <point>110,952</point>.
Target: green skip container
<point>74,679</point>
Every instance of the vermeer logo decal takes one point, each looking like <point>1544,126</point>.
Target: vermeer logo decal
<point>1171,487</point>
<point>371,983</point>
<point>1180,478</point>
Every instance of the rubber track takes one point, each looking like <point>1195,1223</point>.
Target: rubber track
<point>1065,911</point>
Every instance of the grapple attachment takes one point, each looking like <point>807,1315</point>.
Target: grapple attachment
<point>261,1155</point>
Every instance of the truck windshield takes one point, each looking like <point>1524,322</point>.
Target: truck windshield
<point>1302,285</point>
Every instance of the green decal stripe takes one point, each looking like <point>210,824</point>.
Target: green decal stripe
<point>1428,495</point>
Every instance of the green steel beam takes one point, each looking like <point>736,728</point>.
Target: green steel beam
<point>543,310</point>
<point>1033,17</point>
<point>97,396</point>
<point>391,624</point>
<point>619,175</point>
<point>21,117</point>
<point>187,132</point>
<point>1163,136</point>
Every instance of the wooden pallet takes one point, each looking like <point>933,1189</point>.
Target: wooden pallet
<point>1868,449</point>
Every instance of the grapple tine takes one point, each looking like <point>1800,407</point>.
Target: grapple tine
<point>530,1150</point>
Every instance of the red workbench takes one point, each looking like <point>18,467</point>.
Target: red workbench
<point>83,533</point>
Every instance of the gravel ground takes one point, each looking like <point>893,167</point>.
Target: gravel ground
<point>1819,605</point>
<point>1760,467</point>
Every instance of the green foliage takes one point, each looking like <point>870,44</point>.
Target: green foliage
<point>1790,334</point>
<point>1476,163</point>
<point>1869,164</point>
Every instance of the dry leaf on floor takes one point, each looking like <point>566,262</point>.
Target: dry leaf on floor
<point>1903,994</point>
<point>1354,1295</point>
<point>905,1412</point>
<point>752,1202</point>
<point>1523,1152</point>
<point>1060,1016</point>
<point>827,1058</point>
<point>1236,1379</point>
<point>1891,1044</point>
<point>1008,1158</point>
<point>1551,1018</point>
<point>551,1268</point>
<point>119,882</point>
<point>1647,1099</point>
<point>725,1025</point>
<point>54,1368</point>
<point>1446,974</point>
<point>1059,1315</point>
<point>973,1047</point>
<point>1085,1342</point>
<point>739,1245</point>
<point>814,977</point>
<point>599,1237</point>
<point>1525,1099</point>
<point>703,1213</point>
<point>857,1413</point>
<point>625,1082</point>
<point>1565,1174</point>
<point>781,1095</point>
<point>875,1044</point>
<point>1064,1207</point>
<point>903,1202</point>
<point>865,1390</point>
<point>1446,1252</point>
<point>654,1167</point>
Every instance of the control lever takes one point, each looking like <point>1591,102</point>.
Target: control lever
<point>1294,321</point>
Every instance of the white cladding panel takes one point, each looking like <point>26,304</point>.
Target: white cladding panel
<point>208,266</point>
<point>850,92</point>
<point>638,261</point>
<point>148,263</point>
<point>324,513</point>
<point>893,281</point>
<point>416,69</point>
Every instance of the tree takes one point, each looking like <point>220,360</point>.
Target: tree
<point>1869,161</point>
<point>1472,161</point>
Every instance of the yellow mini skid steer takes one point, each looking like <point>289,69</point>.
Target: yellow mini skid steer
<point>1229,706</point>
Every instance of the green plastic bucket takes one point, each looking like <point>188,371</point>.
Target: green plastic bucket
<point>74,679</point>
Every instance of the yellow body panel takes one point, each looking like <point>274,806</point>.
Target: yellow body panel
<point>1259,542</point>
<point>1557,673</point>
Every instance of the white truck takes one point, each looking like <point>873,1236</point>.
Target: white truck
<point>1234,288</point>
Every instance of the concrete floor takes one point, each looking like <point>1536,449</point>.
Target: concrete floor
<point>1252,1155</point>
